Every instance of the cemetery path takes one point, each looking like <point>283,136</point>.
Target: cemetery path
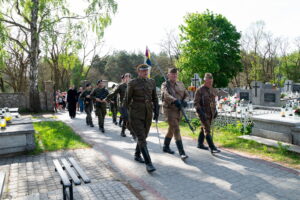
<point>202,176</point>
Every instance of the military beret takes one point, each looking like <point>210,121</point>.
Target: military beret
<point>208,76</point>
<point>172,70</point>
<point>142,67</point>
<point>99,81</point>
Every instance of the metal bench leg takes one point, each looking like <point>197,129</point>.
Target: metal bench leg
<point>71,192</point>
<point>64,193</point>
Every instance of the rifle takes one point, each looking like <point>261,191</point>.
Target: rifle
<point>181,107</point>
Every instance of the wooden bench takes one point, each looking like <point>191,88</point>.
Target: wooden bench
<point>2,177</point>
<point>70,172</point>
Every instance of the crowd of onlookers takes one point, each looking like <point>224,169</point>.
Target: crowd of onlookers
<point>61,100</point>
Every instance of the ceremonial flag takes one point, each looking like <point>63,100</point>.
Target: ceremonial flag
<point>147,60</point>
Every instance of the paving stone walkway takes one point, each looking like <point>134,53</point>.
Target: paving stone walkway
<point>34,177</point>
<point>203,176</point>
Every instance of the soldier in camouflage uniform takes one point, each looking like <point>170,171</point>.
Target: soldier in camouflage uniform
<point>205,105</point>
<point>98,95</point>
<point>88,104</point>
<point>121,90</point>
<point>173,96</point>
<point>141,100</point>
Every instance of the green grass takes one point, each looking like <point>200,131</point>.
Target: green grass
<point>227,137</point>
<point>55,135</point>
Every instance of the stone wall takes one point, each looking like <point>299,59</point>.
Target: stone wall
<point>13,100</point>
<point>21,100</point>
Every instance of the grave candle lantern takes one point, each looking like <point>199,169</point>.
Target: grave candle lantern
<point>282,113</point>
<point>2,123</point>
<point>8,116</point>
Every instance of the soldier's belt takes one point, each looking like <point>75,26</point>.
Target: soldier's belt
<point>141,101</point>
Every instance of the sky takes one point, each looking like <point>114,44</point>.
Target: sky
<point>141,23</point>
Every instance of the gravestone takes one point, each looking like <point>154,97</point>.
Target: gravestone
<point>256,88</point>
<point>244,94</point>
<point>288,86</point>
<point>265,94</point>
<point>296,87</point>
<point>16,138</point>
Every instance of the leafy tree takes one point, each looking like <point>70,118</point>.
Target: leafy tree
<point>34,17</point>
<point>290,66</point>
<point>122,62</point>
<point>209,43</point>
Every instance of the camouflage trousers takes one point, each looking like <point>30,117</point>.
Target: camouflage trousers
<point>101,112</point>
<point>114,111</point>
<point>88,108</point>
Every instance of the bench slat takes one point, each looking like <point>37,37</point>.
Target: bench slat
<point>2,178</point>
<point>64,177</point>
<point>71,171</point>
<point>81,173</point>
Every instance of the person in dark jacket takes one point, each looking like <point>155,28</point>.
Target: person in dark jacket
<point>72,99</point>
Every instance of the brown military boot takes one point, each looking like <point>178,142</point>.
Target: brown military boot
<point>166,147</point>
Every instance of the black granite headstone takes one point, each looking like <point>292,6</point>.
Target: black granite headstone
<point>245,96</point>
<point>270,97</point>
<point>296,88</point>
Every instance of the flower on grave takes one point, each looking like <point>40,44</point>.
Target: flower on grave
<point>297,111</point>
<point>192,88</point>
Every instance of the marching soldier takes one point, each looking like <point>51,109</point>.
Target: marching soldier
<point>98,95</point>
<point>114,107</point>
<point>141,100</point>
<point>121,103</point>
<point>121,90</point>
<point>88,104</point>
<point>173,96</point>
<point>205,106</point>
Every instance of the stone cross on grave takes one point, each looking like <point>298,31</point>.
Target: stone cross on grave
<point>255,88</point>
<point>288,85</point>
<point>196,80</point>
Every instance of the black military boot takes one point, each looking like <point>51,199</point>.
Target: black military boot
<point>120,122</point>
<point>166,147</point>
<point>87,121</point>
<point>101,128</point>
<point>213,148</point>
<point>201,140</point>
<point>137,155</point>
<point>123,132</point>
<point>133,136</point>
<point>91,123</point>
<point>181,150</point>
<point>115,121</point>
<point>145,152</point>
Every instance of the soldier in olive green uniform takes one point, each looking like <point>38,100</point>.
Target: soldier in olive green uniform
<point>205,106</point>
<point>98,95</point>
<point>88,104</point>
<point>113,104</point>
<point>141,100</point>
<point>173,96</point>
<point>121,90</point>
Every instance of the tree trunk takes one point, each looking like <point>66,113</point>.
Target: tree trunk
<point>34,99</point>
<point>2,84</point>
